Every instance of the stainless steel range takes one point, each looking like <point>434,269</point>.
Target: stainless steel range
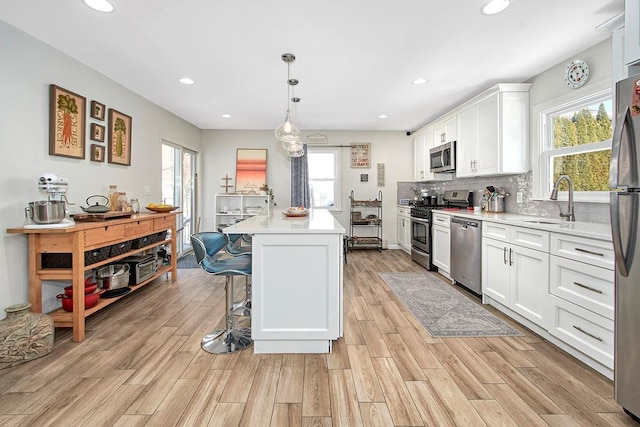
<point>421,223</point>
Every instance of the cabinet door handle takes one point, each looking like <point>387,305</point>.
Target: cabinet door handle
<point>587,287</point>
<point>504,255</point>
<point>588,252</point>
<point>595,337</point>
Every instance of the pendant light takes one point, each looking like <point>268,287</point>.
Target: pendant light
<point>287,133</point>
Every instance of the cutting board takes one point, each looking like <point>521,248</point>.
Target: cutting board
<point>88,217</point>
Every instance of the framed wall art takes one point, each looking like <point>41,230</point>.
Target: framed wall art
<point>119,138</point>
<point>251,170</point>
<point>66,123</point>
<point>361,155</point>
<point>97,153</point>
<point>97,110</point>
<point>97,132</point>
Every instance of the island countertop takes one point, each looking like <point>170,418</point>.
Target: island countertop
<point>319,221</point>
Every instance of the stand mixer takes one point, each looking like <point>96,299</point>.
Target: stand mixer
<point>50,212</point>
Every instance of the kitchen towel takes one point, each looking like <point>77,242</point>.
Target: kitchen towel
<point>443,310</point>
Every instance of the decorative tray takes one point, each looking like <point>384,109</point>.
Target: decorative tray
<point>301,213</point>
<point>164,209</point>
<point>88,217</point>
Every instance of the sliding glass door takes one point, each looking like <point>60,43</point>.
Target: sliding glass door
<point>179,185</point>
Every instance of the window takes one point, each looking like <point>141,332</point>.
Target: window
<point>324,177</point>
<point>576,141</point>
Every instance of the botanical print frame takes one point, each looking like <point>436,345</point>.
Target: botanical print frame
<point>97,132</point>
<point>251,170</point>
<point>119,138</point>
<point>66,123</point>
<point>97,110</point>
<point>97,153</point>
<point>361,155</point>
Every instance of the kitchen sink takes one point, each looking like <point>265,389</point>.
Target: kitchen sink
<point>540,221</point>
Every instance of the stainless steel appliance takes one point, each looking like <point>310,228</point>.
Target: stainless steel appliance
<point>141,267</point>
<point>443,157</point>
<point>466,249</point>
<point>421,222</point>
<point>624,177</point>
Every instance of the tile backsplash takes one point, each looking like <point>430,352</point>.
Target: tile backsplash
<point>511,184</point>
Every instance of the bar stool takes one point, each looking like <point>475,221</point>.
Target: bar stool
<point>208,247</point>
<point>234,248</point>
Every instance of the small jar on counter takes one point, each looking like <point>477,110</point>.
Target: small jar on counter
<point>112,194</point>
<point>135,205</point>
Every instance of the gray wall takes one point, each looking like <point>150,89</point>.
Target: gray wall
<point>28,67</point>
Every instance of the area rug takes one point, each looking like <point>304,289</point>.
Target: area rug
<point>443,310</point>
<point>188,261</point>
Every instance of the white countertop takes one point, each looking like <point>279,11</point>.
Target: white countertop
<point>593,230</point>
<point>319,221</point>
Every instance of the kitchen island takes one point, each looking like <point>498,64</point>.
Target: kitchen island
<point>296,281</point>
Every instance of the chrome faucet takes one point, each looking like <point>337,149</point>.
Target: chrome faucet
<point>554,196</point>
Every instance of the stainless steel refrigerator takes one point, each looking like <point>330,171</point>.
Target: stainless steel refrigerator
<point>624,179</point>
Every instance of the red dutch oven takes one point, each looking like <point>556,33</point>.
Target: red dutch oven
<point>90,300</point>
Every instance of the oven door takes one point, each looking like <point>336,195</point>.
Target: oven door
<point>420,234</point>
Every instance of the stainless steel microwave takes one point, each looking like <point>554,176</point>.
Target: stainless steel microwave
<point>443,157</point>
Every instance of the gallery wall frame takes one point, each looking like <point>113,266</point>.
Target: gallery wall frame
<point>119,138</point>
<point>97,153</point>
<point>251,170</point>
<point>67,123</point>
<point>97,110</point>
<point>97,132</point>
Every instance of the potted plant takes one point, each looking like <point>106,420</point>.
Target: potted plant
<point>268,191</point>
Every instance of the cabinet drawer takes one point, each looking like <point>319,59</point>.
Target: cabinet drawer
<point>443,220</point>
<point>585,285</point>
<point>530,238</point>
<point>138,228</point>
<point>404,211</point>
<point>590,251</point>
<point>164,223</point>
<point>496,231</point>
<point>102,235</point>
<point>580,328</point>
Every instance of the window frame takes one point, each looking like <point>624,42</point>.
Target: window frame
<point>337,184</point>
<point>541,154</point>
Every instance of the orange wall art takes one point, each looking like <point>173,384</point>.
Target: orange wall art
<point>251,170</point>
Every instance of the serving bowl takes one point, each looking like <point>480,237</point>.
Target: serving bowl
<point>163,209</point>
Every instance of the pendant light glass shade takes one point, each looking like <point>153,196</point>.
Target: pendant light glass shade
<point>287,129</point>
<point>287,133</point>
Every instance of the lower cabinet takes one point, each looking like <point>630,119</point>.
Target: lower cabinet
<point>441,243</point>
<point>404,229</point>
<point>516,276</point>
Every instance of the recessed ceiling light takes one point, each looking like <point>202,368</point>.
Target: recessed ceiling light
<point>186,81</point>
<point>420,81</point>
<point>495,6</point>
<point>99,5</point>
<point>383,116</point>
<point>226,116</point>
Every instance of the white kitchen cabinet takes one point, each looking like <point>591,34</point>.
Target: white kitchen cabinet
<point>582,295</point>
<point>404,229</point>
<point>512,268</point>
<point>493,132</point>
<point>445,131</point>
<point>631,32</point>
<point>420,152</point>
<point>441,242</point>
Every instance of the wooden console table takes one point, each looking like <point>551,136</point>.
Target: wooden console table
<point>87,236</point>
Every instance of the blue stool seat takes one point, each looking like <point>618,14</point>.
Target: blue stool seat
<point>208,249</point>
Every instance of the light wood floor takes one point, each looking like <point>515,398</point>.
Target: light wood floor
<point>141,365</point>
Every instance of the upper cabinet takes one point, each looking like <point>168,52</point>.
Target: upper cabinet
<point>444,131</point>
<point>422,143</point>
<point>493,132</point>
<point>632,32</point>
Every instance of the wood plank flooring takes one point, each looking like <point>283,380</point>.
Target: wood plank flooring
<point>141,365</point>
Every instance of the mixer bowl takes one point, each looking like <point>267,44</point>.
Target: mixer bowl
<point>46,211</point>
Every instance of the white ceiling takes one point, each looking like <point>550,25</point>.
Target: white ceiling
<point>355,58</point>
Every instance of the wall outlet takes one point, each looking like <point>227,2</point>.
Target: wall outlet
<point>147,190</point>
<point>519,197</point>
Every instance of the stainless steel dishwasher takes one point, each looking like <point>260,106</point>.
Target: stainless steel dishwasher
<point>466,250</point>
